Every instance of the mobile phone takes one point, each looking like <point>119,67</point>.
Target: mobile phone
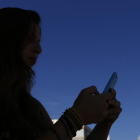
<point>112,82</point>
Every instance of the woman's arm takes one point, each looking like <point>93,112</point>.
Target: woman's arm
<point>100,132</point>
<point>61,131</point>
<point>58,126</point>
<point>45,114</point>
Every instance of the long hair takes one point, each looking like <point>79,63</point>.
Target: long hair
<point>16,78</point>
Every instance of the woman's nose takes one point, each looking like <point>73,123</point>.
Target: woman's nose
<point>38,48</point>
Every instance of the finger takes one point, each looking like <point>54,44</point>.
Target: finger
<point>112,116</point>
<point>114,102</point>
<point>107,95</point>
<point>103,114</point>
<point>114,111</point>
<point>113,91</point>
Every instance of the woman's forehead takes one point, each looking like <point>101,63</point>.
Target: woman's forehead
<point>35,28</point>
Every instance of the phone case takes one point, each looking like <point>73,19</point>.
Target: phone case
<point>111,83</point>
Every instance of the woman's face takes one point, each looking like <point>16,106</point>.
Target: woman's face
<point>32,46</point>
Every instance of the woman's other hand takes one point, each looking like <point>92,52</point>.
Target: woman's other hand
<point>114,110</point>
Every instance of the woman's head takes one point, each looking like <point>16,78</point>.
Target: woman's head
<point>18,26</point>
<point>19,39</point>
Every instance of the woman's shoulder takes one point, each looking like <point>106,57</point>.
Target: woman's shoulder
<point>45,114</point>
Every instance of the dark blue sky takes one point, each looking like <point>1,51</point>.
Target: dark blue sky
<point>83,43</point>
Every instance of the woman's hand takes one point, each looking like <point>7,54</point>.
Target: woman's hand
<point>114,110</point>
<point>92,108</point>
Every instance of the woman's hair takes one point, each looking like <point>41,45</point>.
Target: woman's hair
<point>16,78</point>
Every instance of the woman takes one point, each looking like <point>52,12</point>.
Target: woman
<point>24,117</point>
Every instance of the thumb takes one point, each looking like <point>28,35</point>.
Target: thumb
<point>108,95</point>
<point>96,93</point>
<point>92,90</point>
